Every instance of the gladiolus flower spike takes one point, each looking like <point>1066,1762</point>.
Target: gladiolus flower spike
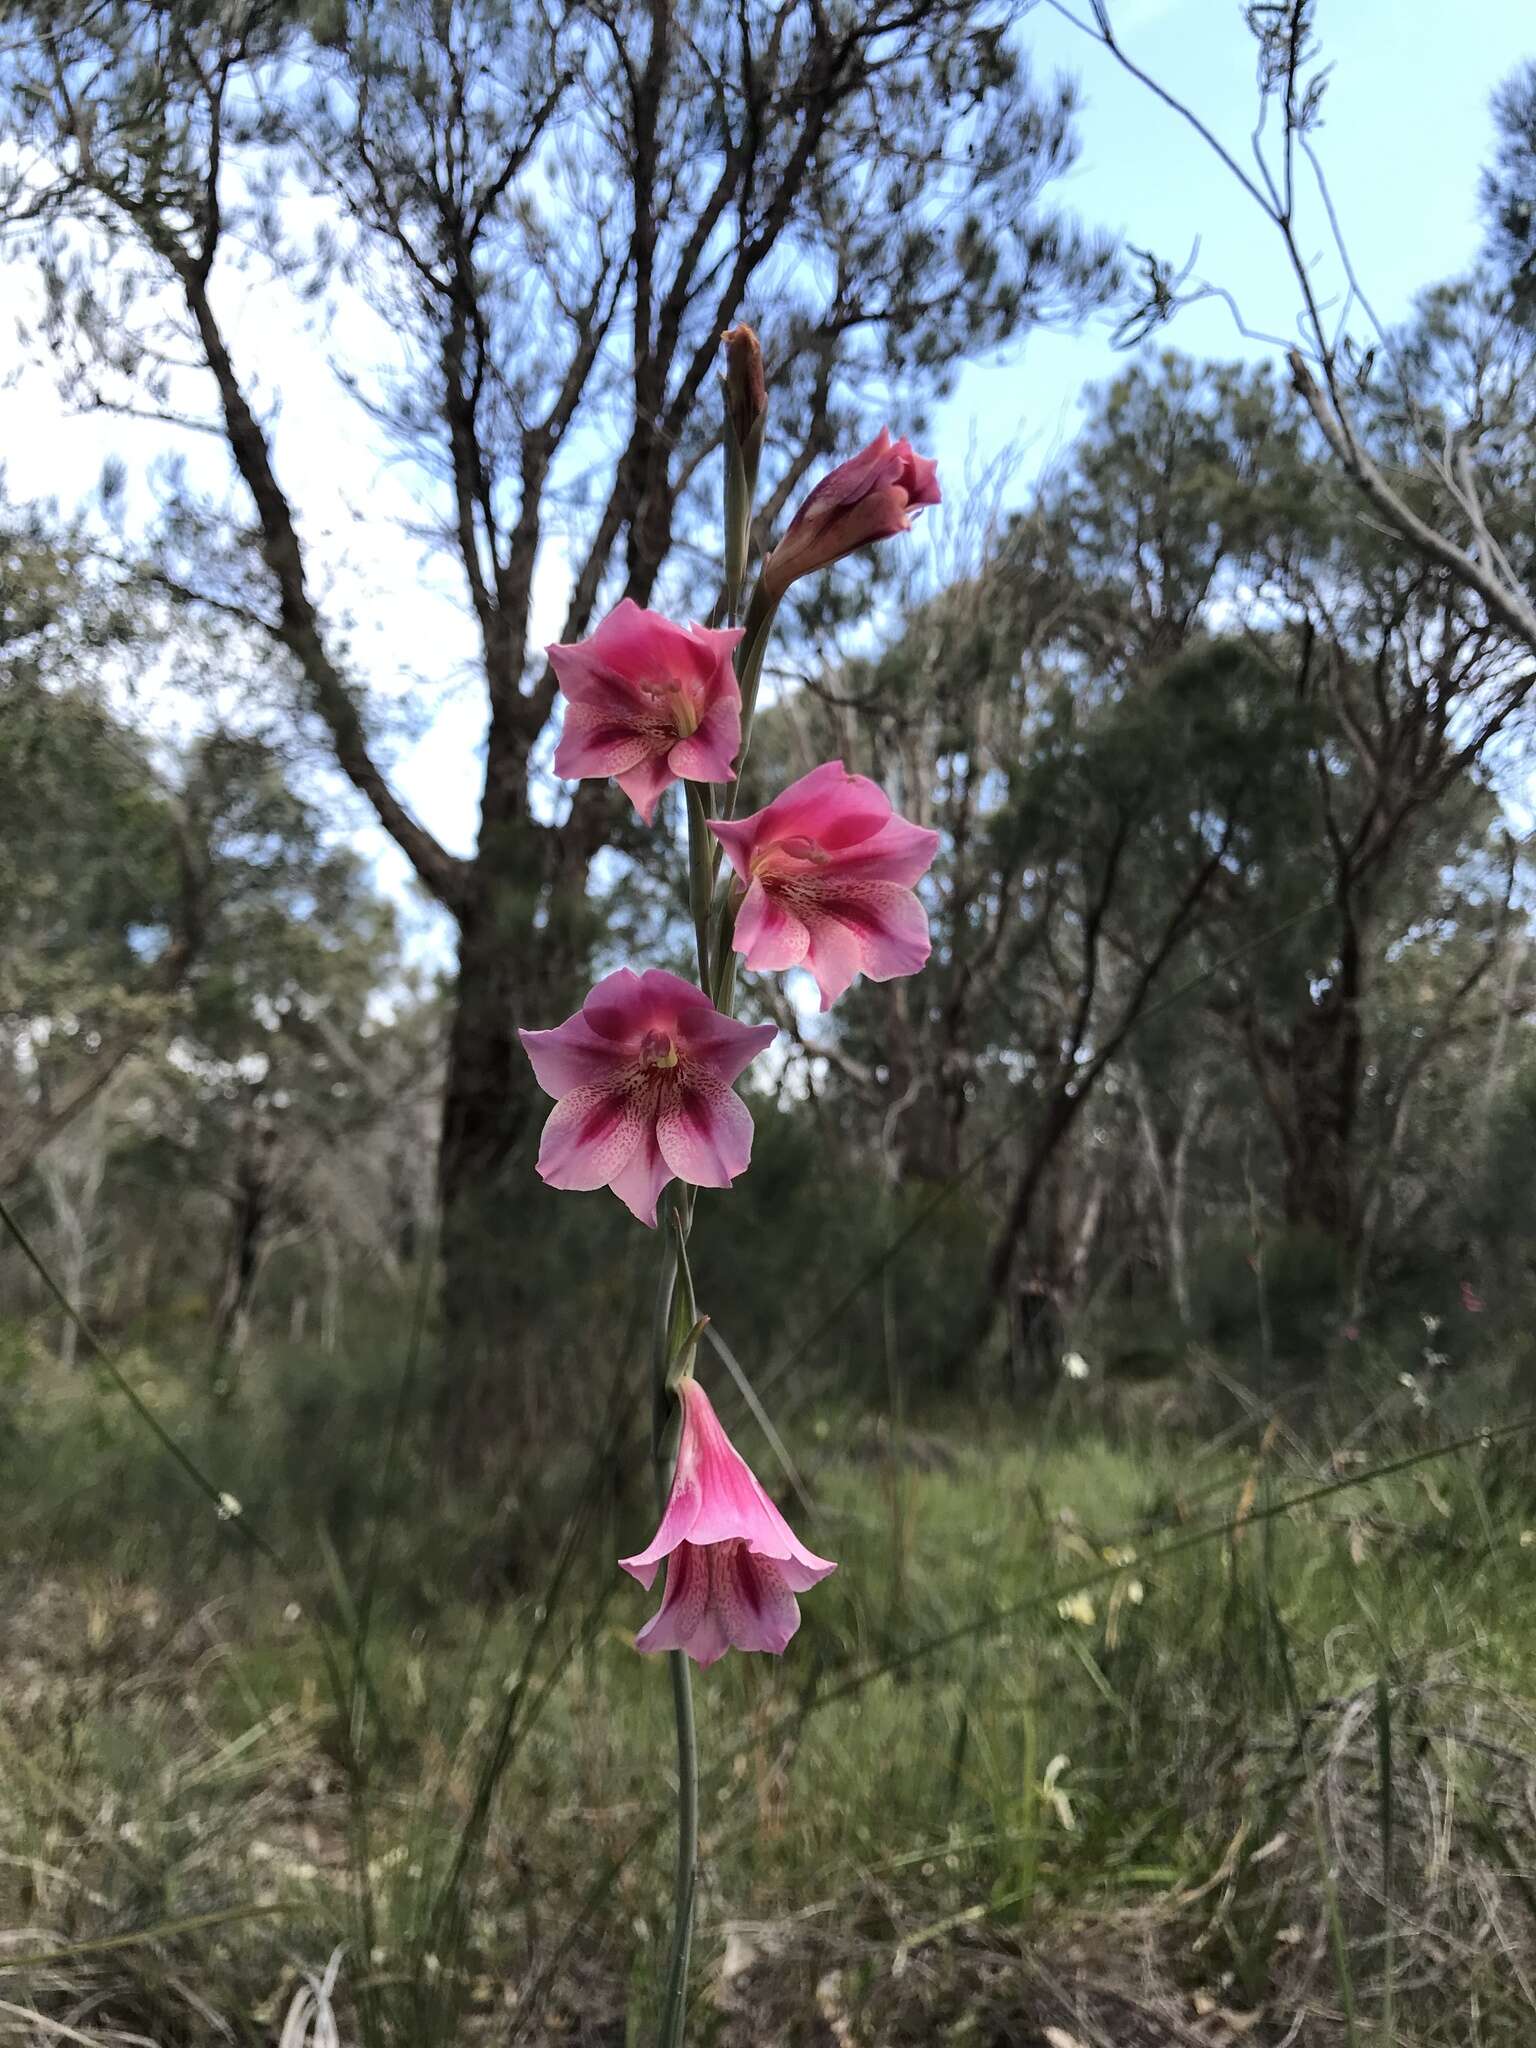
<point>734,1565</point>
<point>829,870</point>
<point>641,1077</point>
<point>649,703</point>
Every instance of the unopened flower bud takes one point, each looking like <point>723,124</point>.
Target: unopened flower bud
<point>746,388</point>
<point>870,497</point>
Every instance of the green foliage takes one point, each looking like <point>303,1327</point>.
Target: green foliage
<point>1059,1759</point>
<point>1508,192</point>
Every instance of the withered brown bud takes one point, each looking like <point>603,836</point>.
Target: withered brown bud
<point>746,389</point>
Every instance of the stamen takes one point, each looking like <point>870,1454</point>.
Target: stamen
<point>802,848</point>
<point>657,1050</point>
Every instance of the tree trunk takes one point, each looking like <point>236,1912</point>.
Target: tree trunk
<point>489,1125</point>
<point>1169,1170</point>
<point>1058,1115</point>
<point>1321,1092</point>
<point>524,942</point>
<point>251,1204</point>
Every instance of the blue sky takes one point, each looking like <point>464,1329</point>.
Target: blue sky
<point>1406,129</point>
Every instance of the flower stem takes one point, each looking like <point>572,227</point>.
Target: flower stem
<point>677,1314</point>
<point>674,2012</point>
<point>749,673</point>
<point>676,1337</point>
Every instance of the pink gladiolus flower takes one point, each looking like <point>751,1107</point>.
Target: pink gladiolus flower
<point>648,702</point>
<point>829,870</point>
<point>734,1564</point>
<point>641,1077</point>
<point>870,497</point>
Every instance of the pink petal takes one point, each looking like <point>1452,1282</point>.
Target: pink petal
<point>619,1008</point>
<point>682,1511</point>
<point>888,922</point>
<point>757,1610</point>
<point>768,934</point>
<point>641,646</point>
<point>674,1623</point>
<point>732,1501</point>
<point>722,1045</point>
<point>585,678</point>
<point>594,743</point>
<point>708,754</point>
<point>705,653</point>
<point>638,1184</point>
<point>591,1135</point>
<point>704,1129</point>
<point>674,1002</point>
<point>877,464</point>
<point>898,852</point>
<point>738,837</point>
<point>633,642</point>
<point>715,1499</point>
<point>695,760</point>
<point>570,1056</point>
<point>829,805</point>
<point>835,956</point>
<point>710,1642</point>
<point>643,784</point>
<point>720,727</point>
<point>922,482</point>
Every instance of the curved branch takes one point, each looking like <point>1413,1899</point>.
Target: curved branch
<point>298,625</point>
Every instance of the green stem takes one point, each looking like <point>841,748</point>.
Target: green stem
<point>674,2012</point>
<point>749,674</point>
<point>702,849</point>
<point>677,1316</point>
<point>677,1327</point>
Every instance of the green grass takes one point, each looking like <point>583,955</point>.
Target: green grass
<point>1175,1789</point>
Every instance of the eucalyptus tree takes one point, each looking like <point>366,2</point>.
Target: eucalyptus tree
<point>1439,494</point>
<point>100,887</point>
<point>1188,718</point>
<point>556,208</point>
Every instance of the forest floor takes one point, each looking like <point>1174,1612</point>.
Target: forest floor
<point>1092,1742</point>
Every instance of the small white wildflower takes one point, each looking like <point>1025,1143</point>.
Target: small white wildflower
<point>1135,1592</point>
<point>311,2020</point>
<point>1407,1380</point>
<point>1528,1539</point>
<point>293,1611</point>
<point>1054,1793</point>
<point>1431,1324</point>
<point>229,1507</point>
<point>1077,1607</point>
<point>1075,1366</point>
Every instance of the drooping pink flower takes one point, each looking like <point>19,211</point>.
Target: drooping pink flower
<point>867,498</point>
<point>648,702</point>
<point>734,1565</point>
<point>829,870</point>
<point>1471,1300</point>
<point>641,1077</point>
